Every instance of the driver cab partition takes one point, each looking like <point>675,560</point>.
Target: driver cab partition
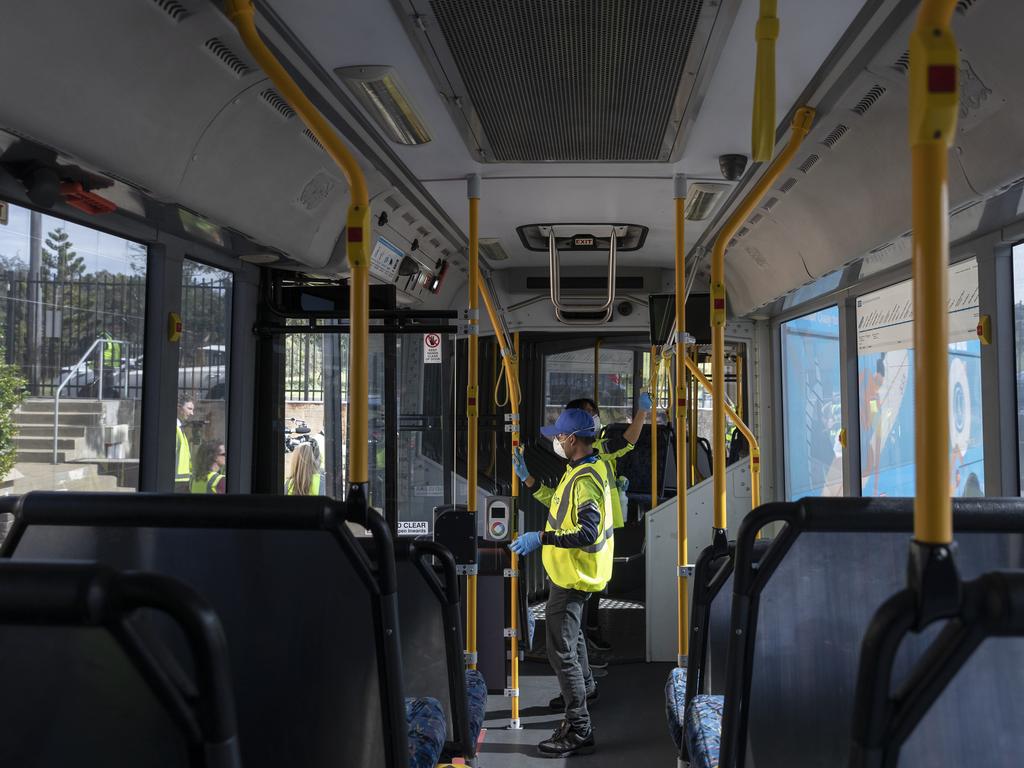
<point>303,398</point>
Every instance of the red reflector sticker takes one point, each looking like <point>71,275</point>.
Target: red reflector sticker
<point>756,460</point>
<point>472,401</point>
<point>941,78</point>
<point>355,234</point>
<point>719,303</point>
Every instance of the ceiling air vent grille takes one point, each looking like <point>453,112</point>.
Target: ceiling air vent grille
<point>273,98</point>
<point>755,219</point>
<point>574,82</point>
<point>770,203</point>
<point>788,185</point>
<point>393,202</point>
<point>963,6</point>
<point>409,218</point>
<point>744,231</point>
<point>833,138</point>
<point>227,57</point>
<point>315,141</point>
<point>869,99</point>
<point>807,164</point>
<point>174,10</point>
<point>902,64</point>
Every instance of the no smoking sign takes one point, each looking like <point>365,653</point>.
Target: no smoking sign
<point>431,348</point>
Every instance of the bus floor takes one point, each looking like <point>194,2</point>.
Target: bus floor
<point>628,718</point>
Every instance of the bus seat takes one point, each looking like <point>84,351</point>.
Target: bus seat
<point>704,730</point>
<point>704,463</point>
<point>302,604</point>
<point>675,703</point>
<point>82,688</point>
<point>636,465</point>
<point>476,691</point>
<point>427,730</point>
<point>805,607</point>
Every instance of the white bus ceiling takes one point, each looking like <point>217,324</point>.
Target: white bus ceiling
<point>164,96</point>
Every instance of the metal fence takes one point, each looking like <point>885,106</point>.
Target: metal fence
<point>48,324</point>
<point>304,367</point>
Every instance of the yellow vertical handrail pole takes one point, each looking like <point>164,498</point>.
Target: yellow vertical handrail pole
<point>755,446</point>
<point>694,412</point>
<point>800,127</point>
<point>472,411</point>
<point>682,544</point>
<point>597,369</point>
<point>652,388</point>
<point>513,398</point>
<point>763,117</point>
<point>358,237</point>
<point>934,93</point>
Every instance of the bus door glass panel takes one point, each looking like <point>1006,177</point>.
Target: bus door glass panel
<point>74,304</point>
<point>885,364</point>
<point>203,370</point>
<point>570,375</point>
<point>1018,326</point>
<point>424,423</point>
<point>812,405</point>
<point>312,367</point>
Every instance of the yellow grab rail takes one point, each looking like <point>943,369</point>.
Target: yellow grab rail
<point>682,548</point>
<point>514,579</point>
<point>358,237</point>
<point>763,115</point>
<point>755,447</point>
<point>934,100</point>
<point>800,127</point>
<point>472,411</point>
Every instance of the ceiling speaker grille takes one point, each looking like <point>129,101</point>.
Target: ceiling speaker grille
<point>174,9</point>
<point>833,138</point>
<point>788,185</point>
<point>571,81</point>
<point>868,100</point>
<point>902,64</point>
<point>807,164</point>
<point>273,98</point>
<point>312,137</point>
<point>226,56</point>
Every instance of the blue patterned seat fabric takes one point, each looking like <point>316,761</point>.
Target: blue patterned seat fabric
<point>704,730</point>
<point>675,703</point>
<point>476,692</point>
<point>427,731</point>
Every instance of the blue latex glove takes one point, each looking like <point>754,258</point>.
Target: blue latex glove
<point>623,484</point>
<point>526,543</point>
<point>645,403</point>
<point>519,464</point>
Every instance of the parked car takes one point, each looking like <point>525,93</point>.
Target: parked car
<point>207,381</point>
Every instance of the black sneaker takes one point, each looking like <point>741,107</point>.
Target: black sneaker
<point>598,643</point>
<point>565,742</point>
<point>558,703</point>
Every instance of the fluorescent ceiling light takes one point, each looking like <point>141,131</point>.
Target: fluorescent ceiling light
<point>702,199</point>
<point>383,97</point>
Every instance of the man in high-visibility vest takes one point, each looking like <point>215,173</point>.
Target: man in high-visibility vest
<point>578,547</point>
<point>111,362</point>
<point>610,450</point>
<point>182,450</point>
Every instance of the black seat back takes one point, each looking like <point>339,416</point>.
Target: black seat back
<point>636,465</point>
<point>809,603</point>
<point>82,687</point>
<point>302,608</point>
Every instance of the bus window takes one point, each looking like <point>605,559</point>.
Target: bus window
<point>74,320</point>
<point>886,386</point>
<point>812,406</point>
<point>1018,323</point>
<point>570,375</point>
<point>201,449</point>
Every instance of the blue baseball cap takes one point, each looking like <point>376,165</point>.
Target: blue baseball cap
<point>571,421</point>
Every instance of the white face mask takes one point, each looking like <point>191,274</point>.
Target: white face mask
<point>556,444</point>
<point>597,425</point>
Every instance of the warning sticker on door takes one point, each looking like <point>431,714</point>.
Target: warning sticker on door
<point>413,528</point>
<point>431,348</point>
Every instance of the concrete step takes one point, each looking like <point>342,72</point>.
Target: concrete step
<point>40,419</point>
<point>67,405</point>
<point>46,430</point>
<point>59,477</point>
<point>43,455</point>
<point>29,443</point>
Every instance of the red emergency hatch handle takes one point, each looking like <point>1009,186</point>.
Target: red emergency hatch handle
<point>77,196</point>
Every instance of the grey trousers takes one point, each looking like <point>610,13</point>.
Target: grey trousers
<point>567,653</point>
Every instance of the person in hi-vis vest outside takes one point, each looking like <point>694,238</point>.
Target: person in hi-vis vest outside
<point>208,474</point>
<point>578,547</point>
<point>182,449</point>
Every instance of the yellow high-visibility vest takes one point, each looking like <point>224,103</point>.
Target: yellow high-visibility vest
<point>314,486</point>
<point>182,458</point>
<point>587,569</point>
<point>209,485</point>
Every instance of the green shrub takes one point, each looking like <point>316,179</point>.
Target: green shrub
<point>12,392</point>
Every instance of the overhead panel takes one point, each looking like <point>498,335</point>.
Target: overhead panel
<point>554,80</point>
